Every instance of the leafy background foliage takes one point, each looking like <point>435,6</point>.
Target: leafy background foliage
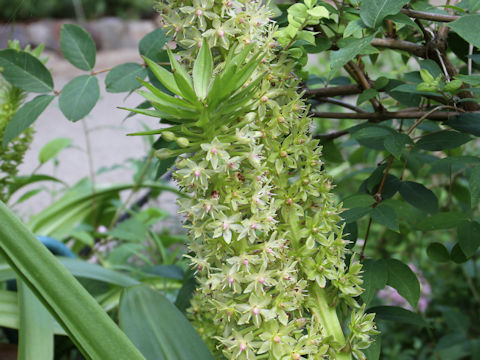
<point>394,94</point>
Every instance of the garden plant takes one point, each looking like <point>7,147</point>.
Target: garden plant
<point>326,161</point>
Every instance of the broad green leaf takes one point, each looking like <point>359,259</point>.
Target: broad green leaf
<point>350,48</point>
<point>70,304</point>
<point>404,280</point>
<point>468,27</point>
<point>457,254</point>
<point>372,136</point>
<point>353,27</point>
<point>158,328</point>
<point>438,252</point>
<point>386,216</point>
<point>440,221</point>
<point>52,149</point>
<point>419,196</point>
<point>397,314</point>
<point>375,276</point>
<point>164,76</point>
<point>474,185</point>
<point>151,46</point>
<point>36,328</point>
<point>373,12</point>
<point>456,320</point>
<point>395,144</point>
<point>403,19</point>
<point>130,230</point>
<point>468,233</point>
<point>453,164</point>
<point>442,140</point>
<point>202,70</point>
<point>79,97</point>
<point>25,71</point>
<point>174,272</point>
<point>469,123</point>
<point>366,95</point>
<point>78,46</point>
<point>26,116</point>
<point>354,214</point>
<point>358,200</point>
<point>123,78</point>
<point>185,294</point>
<point>318,12</point>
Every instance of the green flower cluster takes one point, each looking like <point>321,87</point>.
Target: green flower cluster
<point>11,155</point>
<point>264,227</point>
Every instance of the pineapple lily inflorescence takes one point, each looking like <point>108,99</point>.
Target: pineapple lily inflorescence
<point>265,233</point>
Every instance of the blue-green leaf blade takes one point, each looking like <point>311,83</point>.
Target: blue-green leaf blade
<point>158,328</point>
<point>79,97</point>
<point>25,71</point>
<point>26,116</point>
<point>78,46</point>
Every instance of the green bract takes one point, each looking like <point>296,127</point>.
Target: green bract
<point>265,231</point>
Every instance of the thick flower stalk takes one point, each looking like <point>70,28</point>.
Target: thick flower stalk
<point>266,238</point>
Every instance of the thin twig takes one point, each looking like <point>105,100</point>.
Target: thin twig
<point>135,188</point>
<point>362,252</point>
<point>343,90</point>
<point>91,170</point>
<point>345,104</point>
<point>331,136</point>
<point>410,47</point>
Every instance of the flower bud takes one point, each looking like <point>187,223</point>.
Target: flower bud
<point>168,136</point>
<point>164,153</point>
<point>183,142</point>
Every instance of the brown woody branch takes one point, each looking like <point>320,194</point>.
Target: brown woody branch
<point>383,116</point>
<point>410,47</point>
<point>429,16</point>
<point>343,90</point>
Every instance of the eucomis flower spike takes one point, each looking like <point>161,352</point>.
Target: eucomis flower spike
<point>266,237</point>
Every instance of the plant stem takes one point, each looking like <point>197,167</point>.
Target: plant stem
<point>135,188</point>
<point>92,171</point>
<point>327,317</point>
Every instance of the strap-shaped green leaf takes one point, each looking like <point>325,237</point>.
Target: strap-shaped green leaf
<point>164,76</point>
<point>164,105</point>
<point>87,324</point>
<point>183,80</point>
<point>36,328</point>
<point>173,100</point>
<point>202,70</point>
<point>158,328</point>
